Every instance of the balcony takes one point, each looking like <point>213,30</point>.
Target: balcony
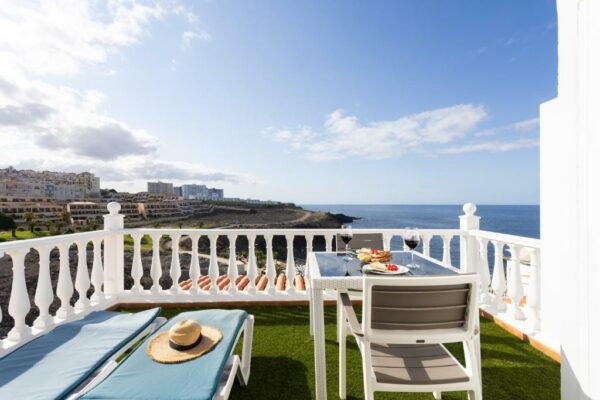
<point>119,268</point>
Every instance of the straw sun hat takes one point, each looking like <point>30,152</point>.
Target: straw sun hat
<point>185,341</point>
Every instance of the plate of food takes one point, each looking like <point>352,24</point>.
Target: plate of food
<point>385,269</point>
<point>366,255</point>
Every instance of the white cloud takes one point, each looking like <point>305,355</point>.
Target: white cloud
<point>446,130</point>
<point>344,136</point>
<point>47,125</point>
<point>188,37</point>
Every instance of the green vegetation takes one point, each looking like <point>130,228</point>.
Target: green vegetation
<point>282,362</point>
<point>30,220</point>
<point>8,223</point>
<point>22,235</point>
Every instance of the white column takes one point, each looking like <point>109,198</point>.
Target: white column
<point>113,250</point>
<point>195,265</point>
<point>175,269</point>
<point>137,270</point>
<point>233,268</point>
<point>328,240</point>
<point>484,271</point>
<point>82,279</point>
<point>290,273</point>
<point>18,305</point>
<point>387,241</point>
<point>251,273</point>
<point>498,278</point>
<point>97,271</point>
<point>426,242</point>
<point>446,258</point>
<point>213,267</point>
<point>64,287</point>
<point>43,292</point>
<point>532,307</point>
<point>469,248</point>
<point>515,283</point>
<point>155,267</point>
<point>271,272</point>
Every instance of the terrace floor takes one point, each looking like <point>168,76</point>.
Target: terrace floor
<point>282,362</point>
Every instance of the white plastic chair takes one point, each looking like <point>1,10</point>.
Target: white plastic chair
<point>405,322</point>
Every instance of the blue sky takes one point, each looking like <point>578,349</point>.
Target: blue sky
<point>312,102</point>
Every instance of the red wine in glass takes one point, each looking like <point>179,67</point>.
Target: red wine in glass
<point>411,240</point>
<point>411,243</point>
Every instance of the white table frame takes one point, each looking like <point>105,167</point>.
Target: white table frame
<point>317,286</point>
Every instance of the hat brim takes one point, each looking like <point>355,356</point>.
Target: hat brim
<point>159,350</point>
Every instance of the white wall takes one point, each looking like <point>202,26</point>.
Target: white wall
<point>570,200</point>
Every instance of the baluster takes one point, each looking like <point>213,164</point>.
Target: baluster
<point>195,266</point>
<point>515,283</point>
<point>532,306</point>
<point>447,259</point>
<point>18,305</point>
<point>291,265</point>
<point>82,279</point>
<point>64,286</point>
<point>328,240</point>
<point>137,270</point>
<point>426,242</point>
<point>498,278</point>
<point>233,268</point>
<point>251,273</point>
<point>175,271</point>
<point>43,291</point>
<point>404,246</point>
<point>97,271</point>
<point>309,244</point>
<point>271,272</point>
<point>213,267</point>
<point>155,267</point>
<point>484,271</point>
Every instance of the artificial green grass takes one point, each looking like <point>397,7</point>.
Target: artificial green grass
<point>283,362</point>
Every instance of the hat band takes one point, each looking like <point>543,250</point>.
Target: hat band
<point>180,347</point>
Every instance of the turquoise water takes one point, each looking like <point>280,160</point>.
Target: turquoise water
<point>521,220</point>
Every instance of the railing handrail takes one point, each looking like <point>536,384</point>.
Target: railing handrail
<point>53,240</point>
<point>282,232</point>
<point>507,239</point>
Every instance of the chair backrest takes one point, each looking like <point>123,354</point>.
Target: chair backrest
<point>360,240</point>
<point>428,309</point>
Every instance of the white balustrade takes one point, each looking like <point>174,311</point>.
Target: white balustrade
<point>233,268</point>
<point>271,272</point>
<point>175,270</point>
<point>155,267</point>
<point>533,302</point>
<point>328,240</point>
<point>137,270</point>
<point>213,266</point>
<point>514,289</point>
<point>484,271</point>
<point>252,269</point>
<point>290,268</point>
<point>498,277</point>
<point>19,305</point>
<point>447,258</point>
<point>195,265</point>
<point>97,271</point>
<point>43,292</point>
<point>82,279</point>
<point>426,239</point>
<point>64,286</point>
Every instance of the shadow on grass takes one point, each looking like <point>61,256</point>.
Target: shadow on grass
<point>275,378</point>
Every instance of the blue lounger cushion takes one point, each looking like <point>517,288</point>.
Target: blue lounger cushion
<point>139,377</point>
<point>55,364</point>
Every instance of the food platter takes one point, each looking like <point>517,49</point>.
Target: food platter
<point>390,269</point>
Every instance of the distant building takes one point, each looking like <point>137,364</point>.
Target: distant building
<point>49,184</point>
<point>178,191</point>
<point>160,188</point>
<point>194,192</point>
<point>43,211</point>
<point>216,194</point>
<point>82,212</point>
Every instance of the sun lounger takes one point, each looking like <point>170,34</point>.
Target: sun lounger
<point>56,364</point>
<point>208,377</point>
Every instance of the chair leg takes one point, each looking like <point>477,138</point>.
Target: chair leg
<point>437,395</point>
<point>369,394</point>
<point>339,316</point>
<point>342,359</point>
<point>246,361</point>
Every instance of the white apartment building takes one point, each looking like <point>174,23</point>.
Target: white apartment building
<point>194,192</point>
<point>160,187</point>
<point>82,212</point>
<point>49,184</point>
<point>43,211</point>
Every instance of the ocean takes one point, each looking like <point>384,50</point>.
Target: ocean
<point>520,220</point>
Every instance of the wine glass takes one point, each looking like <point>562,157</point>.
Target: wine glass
<point>411,240</point>
<point>346,237</point>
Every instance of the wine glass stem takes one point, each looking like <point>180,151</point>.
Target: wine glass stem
<point>412,258</point>
<point>346,244</point>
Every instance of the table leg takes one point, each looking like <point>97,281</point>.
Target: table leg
<point>319,338</point>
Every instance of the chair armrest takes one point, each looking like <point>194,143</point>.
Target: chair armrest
<point>350,315</point>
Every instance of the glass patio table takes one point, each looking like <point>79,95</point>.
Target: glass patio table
<point>331,271</point>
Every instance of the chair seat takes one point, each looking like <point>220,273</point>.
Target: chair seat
<point>415,364</point>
